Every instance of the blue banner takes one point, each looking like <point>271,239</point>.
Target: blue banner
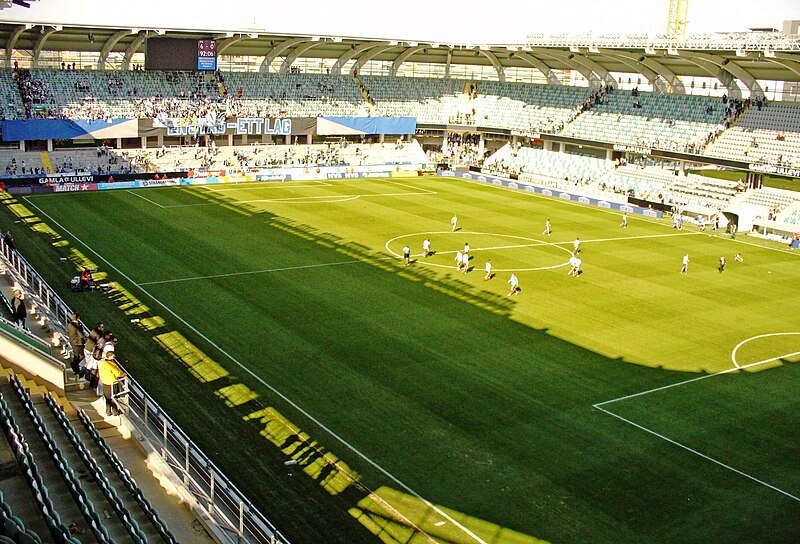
<point>340,126</point>
<point>67,129</point>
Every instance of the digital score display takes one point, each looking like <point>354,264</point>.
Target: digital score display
<point>185,54</point>
<point>206,55</point>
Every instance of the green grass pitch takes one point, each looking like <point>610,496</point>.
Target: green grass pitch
<point>426,405</point>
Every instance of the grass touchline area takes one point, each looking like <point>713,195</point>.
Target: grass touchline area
<point>427,379</point>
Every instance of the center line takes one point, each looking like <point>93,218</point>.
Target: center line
<point>266,270</point>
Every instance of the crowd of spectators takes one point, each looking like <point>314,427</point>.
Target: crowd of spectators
<point>556,125</point>
<point>35,95</point>
<point>464,149</point>
<point>94,359</point>
<point>196,94</point>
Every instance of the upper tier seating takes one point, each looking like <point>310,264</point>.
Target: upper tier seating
<point>10,102</point>
<point>430,100</point>
<point>533,108</point>
<point>770,135</point>
<point>99,95</point>
<point>673,122</point>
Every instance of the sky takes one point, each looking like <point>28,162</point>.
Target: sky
<point>446,21</point>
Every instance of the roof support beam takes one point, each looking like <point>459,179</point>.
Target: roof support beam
<point>277,51</point>
<point>637,66</point>
<point>501,75</point>
<point>12,41</point>
<point>227,42</point>
<point>787,61</point>
<point>371,54</point>
<point>652,66</point>
<point>537,63</point>
<point>109,46</point>
<point>405,55</point>
<point>37,49</point>
<point>336,69</point>
<point>132,49</point>
<point>298,51</point>
<point>570,61</point>
<point>729,71</point>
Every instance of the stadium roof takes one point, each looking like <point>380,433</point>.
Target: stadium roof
<point>745,56</point>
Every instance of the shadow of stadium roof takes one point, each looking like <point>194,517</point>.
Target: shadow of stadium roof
<point>785,66</point>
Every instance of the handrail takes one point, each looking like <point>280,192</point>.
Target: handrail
<point>224,505</point>
<point>23,336</point>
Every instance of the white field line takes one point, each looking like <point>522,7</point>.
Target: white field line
<point>266,270</point>
<point>312,185</point>
<point>250,186</point>
<point>631,216</point>
<point>703,455</point>
<point>414,187</point>
<point>538,244</point>
<point>746,340</point>
<point>154,203</point>
<point>286,399</point>
<point>285,199</point>
<point>599,406</point>
<point>339,263</point>
<point>299,199</point>
<point>670,386</point>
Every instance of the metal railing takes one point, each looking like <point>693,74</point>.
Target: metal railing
<point>218,500</point>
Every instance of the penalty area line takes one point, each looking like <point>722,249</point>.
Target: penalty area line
<point>699,454</point>
<point>684,382</point>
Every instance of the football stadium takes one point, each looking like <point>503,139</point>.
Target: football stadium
<point>367,285</point>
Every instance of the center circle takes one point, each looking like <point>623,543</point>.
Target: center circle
<point>484,244</point>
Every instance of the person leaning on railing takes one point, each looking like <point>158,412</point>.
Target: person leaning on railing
<point>110,373</point>
<point>76,341</point>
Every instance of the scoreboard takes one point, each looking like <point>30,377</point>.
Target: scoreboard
<point>185,54</point>
<point>206,55</point>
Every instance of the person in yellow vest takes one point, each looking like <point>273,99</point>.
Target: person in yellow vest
<point>109,373</point>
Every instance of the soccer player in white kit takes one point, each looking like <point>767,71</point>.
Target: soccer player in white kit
<point>577,267</point>
<point>459,260</point>
<point>488,275</point>
<point>576,244</point>
<point>514,285</point>
<point>426,247</point>
<point>454,222</point>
